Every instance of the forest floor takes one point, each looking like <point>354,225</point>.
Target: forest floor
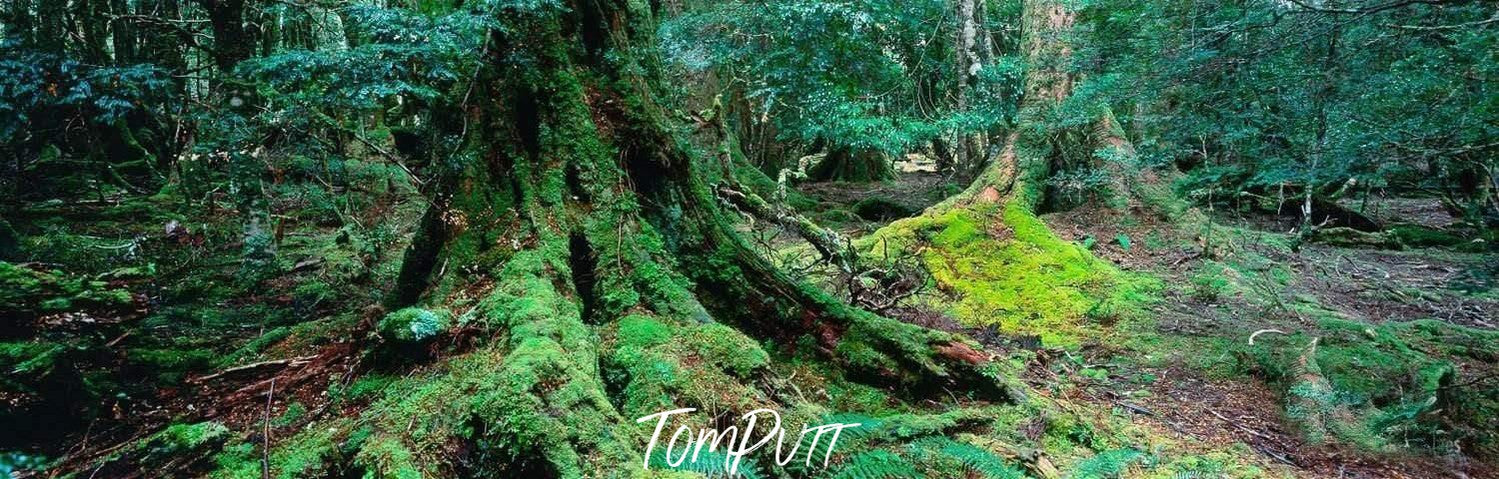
<point>1176,374</point>
<point>190,353</point>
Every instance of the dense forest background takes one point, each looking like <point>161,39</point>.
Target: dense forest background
<point>1013,238</point>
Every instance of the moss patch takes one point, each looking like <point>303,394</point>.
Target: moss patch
<point>1007,269</point>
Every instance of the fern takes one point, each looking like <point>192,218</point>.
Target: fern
<point>1107,464</point>
<point>971,457</point>
<point>711,464</point>
<point>876,464</point>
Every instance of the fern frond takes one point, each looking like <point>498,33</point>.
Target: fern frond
<point>711,464</point>
<point>971,457</point>
<point>1107,464</point>
<point>876,464</point>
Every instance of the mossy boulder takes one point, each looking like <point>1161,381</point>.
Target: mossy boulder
<point>1416,236</point>
<point>412,326</point>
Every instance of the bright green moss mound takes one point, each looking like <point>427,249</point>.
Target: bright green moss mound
<point>1007,269</point>
<point>414,325</point>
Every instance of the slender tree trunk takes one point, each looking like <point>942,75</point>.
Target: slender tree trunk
<point>51,26</point>
<point>232,44</point>
<point>967,152</point>
<point>231,40</point>
<point>123,32</point>
<point>91,19</point>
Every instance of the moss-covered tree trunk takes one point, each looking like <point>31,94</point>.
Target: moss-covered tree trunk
<point>576,217</point>
<point>1027,155</point>
<point>854,165</point>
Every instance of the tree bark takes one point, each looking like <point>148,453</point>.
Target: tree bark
<point>1017,175</point>
<point>848,164</point>
<point>968,151</point>
<point>577,206</point>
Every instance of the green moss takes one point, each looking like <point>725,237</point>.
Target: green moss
<point>180,439</point>
<point>1422,237</point>
<point>28,359</point>
<point>727,348</point>
<point>414,325</point>
<point>171,364</point>
<point>293,414</point>
<point>1380,385</point>
<point>640,331</point>
<point>656,365</point>
<point>364,387</point>
<point>313,452</point>
<point>387,458</point>
<point>255,346</point>
<point>28,291</point>
<point>1008,270</point>
<point>1212,282</point>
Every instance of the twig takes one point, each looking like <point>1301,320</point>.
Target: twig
<point>265,445</point>
<point>1242,427</point>
<point>278,362</point>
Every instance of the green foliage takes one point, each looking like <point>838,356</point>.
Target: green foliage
<point>181,439</point>
<point>876,464</point>
<point>28,291</point>
<point>1107,464</point>
<point>40,91</point>
<point>811,66</point>
<point>941,454</point>
<point>707,464</point>
<point>14,463</point>
<point>1258,97</point>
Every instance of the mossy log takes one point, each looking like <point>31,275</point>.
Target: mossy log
<point>1312,401</point>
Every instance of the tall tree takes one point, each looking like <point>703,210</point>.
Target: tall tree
<point>577,201</point>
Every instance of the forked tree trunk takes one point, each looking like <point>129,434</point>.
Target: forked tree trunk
<point>576,206</point>
<point>1017,175</point>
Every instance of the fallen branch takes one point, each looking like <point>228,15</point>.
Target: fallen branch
<point>829,244</point>
<point>247,367</point>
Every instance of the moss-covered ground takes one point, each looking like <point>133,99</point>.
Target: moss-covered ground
<point>1133,344</point>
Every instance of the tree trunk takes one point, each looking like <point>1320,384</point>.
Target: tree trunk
<point>232,44</point>
<point>231,41</point>
<point>968,151</point>
<point>847,164</point>
<point>123,32</point>
<point>1017,175</point>
<point>51,26</point>
<point>1019,172</point>
<point>577,212</point>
